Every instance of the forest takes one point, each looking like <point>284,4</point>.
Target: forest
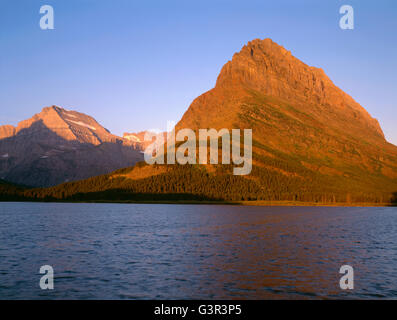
<point>273,180</point>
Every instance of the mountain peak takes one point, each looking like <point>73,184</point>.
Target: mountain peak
<point>67,124</point>
<point>53,107</point>
<point>270,69</point>
<point>50,109</point>
<point>267,45</point>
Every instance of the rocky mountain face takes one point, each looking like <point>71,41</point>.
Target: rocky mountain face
<point>264,67</point>
<point>270,69</point>
<point>57,145</point>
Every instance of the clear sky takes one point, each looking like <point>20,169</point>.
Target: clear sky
<point>133,65</point>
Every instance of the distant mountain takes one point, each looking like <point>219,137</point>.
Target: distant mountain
<point>57,145</point>
<point>311,142</point>
<point>138,139</point>
<point>135,137</point>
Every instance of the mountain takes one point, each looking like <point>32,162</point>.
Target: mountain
<point>57,145</point>
<point>311,142</point>
<point>299,119</point>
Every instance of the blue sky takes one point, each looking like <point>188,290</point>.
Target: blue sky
<point>133,65</point>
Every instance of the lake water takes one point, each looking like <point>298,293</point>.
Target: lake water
<point>145,251</point>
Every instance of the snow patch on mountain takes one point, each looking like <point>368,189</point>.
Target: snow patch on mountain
<point>83,124</point>
<point>132,137</point>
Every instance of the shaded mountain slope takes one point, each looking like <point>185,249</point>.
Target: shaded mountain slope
<point>12,192</point>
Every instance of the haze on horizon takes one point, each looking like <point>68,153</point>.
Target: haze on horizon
<point>134,65</point>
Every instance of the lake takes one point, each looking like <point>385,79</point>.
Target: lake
<point>164,251</point>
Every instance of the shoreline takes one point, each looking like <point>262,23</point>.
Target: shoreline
<point>259,203</point>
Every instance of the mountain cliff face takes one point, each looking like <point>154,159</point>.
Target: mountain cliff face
<point>268,69</point>
<point>57,145</point>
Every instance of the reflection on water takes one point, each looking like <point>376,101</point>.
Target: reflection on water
<point>142,251</point>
